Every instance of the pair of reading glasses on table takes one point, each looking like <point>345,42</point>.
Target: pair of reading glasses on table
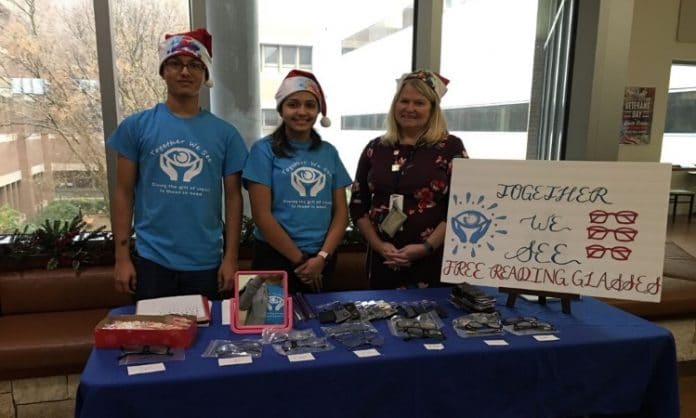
<point>523,323</point>
<point>145,350</point>
<point>480,324</point>
<point>413,328</point>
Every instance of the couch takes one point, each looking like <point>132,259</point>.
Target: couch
<point>47,319</point>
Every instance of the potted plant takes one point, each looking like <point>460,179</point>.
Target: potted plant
<point>58,244</point>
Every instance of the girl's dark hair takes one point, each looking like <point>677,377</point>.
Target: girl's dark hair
<point>280,144</point>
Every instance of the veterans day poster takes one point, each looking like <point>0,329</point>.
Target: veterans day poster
<point>592,228</point>
<point>637,115</point>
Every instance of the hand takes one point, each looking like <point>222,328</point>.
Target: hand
<point>393,257</point>
<point>226,275</point>
<point>124,276</point>
<point>310,271</point>
<point>413,252</point>
<point>386,249</point>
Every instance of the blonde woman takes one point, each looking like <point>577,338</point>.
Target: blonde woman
<point>401,188</point>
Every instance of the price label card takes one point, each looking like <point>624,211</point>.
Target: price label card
<point>547,337</point>
<point>370,352</point>
<point>146,368</point>
<point>494,343</point>
<point>235,361</point>
<point>300,357</point>
<point>434,347</point>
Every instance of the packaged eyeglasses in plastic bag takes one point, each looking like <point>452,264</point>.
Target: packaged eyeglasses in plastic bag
<point>527,325</point>
<point>303,345</point>
<point>375,309</point>
<point>273,336</point>
<point>357,335</point>
<point>478,324</point>
<point>471,298</point>
<point>427,325</point>
<point>414,308</point>
<point>144,354</point>
<point>337,312</point>
<point>238,348</point>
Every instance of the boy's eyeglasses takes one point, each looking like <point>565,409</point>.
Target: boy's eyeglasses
<point>193,66</point>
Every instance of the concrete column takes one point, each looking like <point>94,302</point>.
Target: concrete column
<point>599,77</point>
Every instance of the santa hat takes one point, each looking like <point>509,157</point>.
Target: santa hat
<point>197,44</point>
<point>436,82</point>
<point>298,80</point>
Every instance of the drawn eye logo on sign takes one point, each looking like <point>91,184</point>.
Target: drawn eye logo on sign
<point>476,225</point>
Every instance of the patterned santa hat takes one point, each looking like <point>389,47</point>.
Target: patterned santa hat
<point>436,82</point>
<point>299,80</point>
<point>197,44</point>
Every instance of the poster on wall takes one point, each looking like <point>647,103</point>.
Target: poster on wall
<point>637,115</point>
<point>575,227</point>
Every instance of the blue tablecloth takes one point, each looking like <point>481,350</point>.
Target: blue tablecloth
<point>606,361</point>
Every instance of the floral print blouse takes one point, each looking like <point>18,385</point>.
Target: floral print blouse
<point>421,173</point>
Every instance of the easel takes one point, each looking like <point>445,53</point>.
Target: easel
<point>513,293</point>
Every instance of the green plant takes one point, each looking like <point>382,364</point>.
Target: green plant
<point>63,242</point>
<point>10,219</point>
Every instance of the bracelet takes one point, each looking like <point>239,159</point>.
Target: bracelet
<point>428,247</point>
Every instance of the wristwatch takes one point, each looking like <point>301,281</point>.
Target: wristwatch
<point>323,254</point>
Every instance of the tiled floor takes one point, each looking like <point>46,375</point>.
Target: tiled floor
<point>684,235</point>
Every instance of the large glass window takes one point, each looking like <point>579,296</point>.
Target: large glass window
<point>52,151</point>
<point>488,54</point>
<point>679,140</point>
<point>52,156</point>
<point>356,48</point>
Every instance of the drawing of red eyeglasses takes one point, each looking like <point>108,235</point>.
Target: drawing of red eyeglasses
<point>623,216</point>
<point>617,253</point>
<point>622,234</point>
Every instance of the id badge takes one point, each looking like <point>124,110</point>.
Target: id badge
<point>393,221</point>
<point>396,200</point>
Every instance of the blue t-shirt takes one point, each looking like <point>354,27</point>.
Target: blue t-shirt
<point>302,188</point>
<point>178,192</point>
<point>275,306</point>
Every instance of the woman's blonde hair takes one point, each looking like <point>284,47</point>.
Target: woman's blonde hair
<point>436,126</point>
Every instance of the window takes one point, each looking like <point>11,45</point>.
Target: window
<point>270,119</point>
<point>271,54</point>
<point>288,56</point>
<point>358,84</point>
<point>679,140</point>
<point>28,85</point>
<point>489,55</point>
<point>53,113</point>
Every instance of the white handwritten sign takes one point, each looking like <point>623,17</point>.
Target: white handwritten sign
<point>593,228</point>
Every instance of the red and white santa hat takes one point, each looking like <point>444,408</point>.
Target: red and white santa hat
<point>436,82</point>
<point>299,80</point>
<point>197,44</point>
